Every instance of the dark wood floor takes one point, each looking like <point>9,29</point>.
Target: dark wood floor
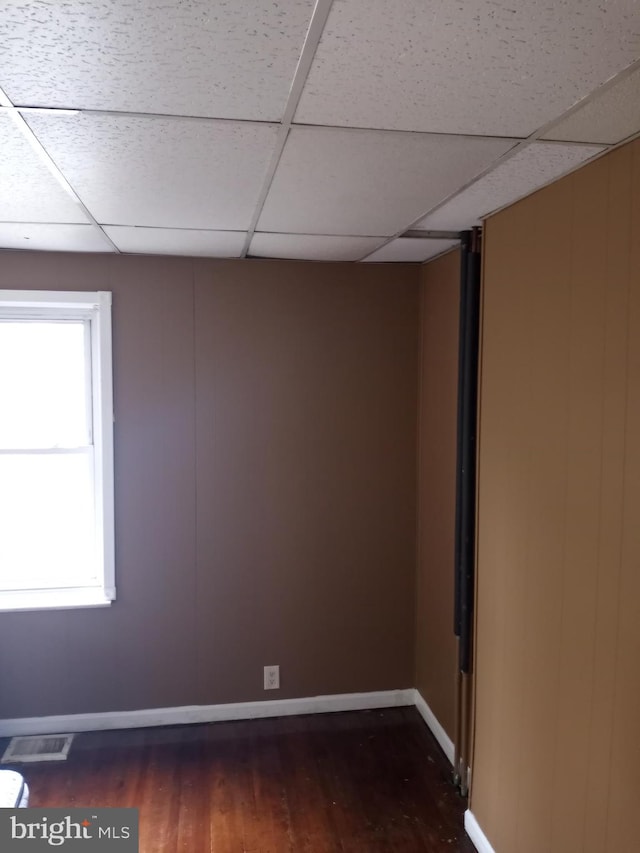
<point>358,782</point>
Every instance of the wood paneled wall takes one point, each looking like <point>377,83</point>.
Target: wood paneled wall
<point>556,767</point>
<point>435,640</point>
<point>265,443</point>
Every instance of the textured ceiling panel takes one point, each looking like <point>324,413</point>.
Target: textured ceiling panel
<point>28,190</point>
<point>333,181</point>
<point>312,247</point>
<point>172,173</point>
<point>224,58</point>
<point>52,237</point>
<point>499,67</point>
<point>175,241</point>
<point>609,117</point>
<point>533,167</point>
<point>410,250</point>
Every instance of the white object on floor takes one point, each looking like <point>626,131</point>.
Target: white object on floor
<point>14,793</point>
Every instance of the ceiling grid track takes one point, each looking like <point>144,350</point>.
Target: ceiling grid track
<point>19,122</point>
<point>314,34</point>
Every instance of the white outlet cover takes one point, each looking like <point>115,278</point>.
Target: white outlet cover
<point>271,677</point>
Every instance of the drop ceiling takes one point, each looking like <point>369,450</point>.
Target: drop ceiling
<point>352,130</point>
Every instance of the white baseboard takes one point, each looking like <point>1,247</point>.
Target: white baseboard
<point>445,742</point>
<point>475,833</point>
<point>205,713</point>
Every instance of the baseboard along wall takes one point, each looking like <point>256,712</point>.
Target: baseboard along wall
<point>187,714</point>
<point>475,833</point>
<point>437,730</point>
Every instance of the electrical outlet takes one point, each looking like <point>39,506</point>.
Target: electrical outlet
<point>271,677</point>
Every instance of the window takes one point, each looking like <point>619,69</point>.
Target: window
<point>56,450</point>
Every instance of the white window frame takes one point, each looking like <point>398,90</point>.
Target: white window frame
<point>96,308</point>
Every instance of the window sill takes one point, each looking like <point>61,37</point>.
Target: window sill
<point>53,599</point>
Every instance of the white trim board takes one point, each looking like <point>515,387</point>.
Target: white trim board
<point>475,833</point>
<point>444,741</point>
<point>206,713</point>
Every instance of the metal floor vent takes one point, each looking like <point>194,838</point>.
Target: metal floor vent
<point>37,748</point>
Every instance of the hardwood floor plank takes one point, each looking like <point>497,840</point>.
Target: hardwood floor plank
<point>354,782</point>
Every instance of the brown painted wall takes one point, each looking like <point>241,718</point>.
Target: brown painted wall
<point>265,487</point>
<point>557,754</point>
<point>435,641</point>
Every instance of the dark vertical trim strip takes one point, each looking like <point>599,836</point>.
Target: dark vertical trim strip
<point>467,427</point>
<point>462,339</point>
<point>469,430</point>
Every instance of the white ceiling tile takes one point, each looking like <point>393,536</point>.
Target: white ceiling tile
<point>311,247</point>
<point>500,67</point>
<point>162,172</point>
<point>30,193</point>
<point>609,117</point>
<point>222,58</point>
<point>50,237</point>
<point>410,250</point>
<point>176,241</point>
<point>529,169</point>
<point>337,181</point>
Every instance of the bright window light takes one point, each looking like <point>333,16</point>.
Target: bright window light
<point>56,450</point>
